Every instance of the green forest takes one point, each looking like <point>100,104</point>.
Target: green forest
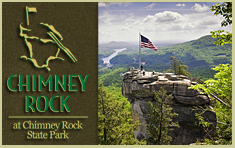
<point>207,58</point>
<point>200,55</point>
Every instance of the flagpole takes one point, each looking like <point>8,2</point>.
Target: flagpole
<point>139,52</point>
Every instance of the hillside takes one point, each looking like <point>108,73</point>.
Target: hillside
<point>114,44</point>
<point>200,55</point>
<point>107,49</point>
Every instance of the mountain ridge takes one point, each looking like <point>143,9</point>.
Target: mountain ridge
<point>200,55</point>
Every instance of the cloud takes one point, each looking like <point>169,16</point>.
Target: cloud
<point>210,21</point>
<point>135,24</point>
<point>107,4</point>
<point>106,17</point>
<point>172,21</point>
<point>175,27</point>
<point>127,4</point>
<point>163,20</point>
<point>109,18</point>
<point>150,6</point>
<point>199,8</point>
<point>101,4</point>
<point>148,18</point>
<point>167,16</point>
<point>102,33</point>
<point>161,26</point>
<point>179,5</point>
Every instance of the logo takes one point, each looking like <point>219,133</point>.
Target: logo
<point>55,37</point>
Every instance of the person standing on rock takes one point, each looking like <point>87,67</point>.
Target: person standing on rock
<point>141,67</point>
<point>143,72</point>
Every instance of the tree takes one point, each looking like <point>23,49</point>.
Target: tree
<point>222,82</point>
<point>224,9</point>
<point>177,68</point>
<point>222,85</point>
<point>160,118</point>
<point>114,122</point>
<point>109,77</point>
<point>224,131</point>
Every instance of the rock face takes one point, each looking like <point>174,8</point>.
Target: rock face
<point>140,89</point>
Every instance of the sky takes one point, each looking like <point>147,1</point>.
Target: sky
<point>160,22</point>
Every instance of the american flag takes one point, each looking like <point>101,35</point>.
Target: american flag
<point>145,42</point>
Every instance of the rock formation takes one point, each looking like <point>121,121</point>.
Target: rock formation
<point>140,89</point>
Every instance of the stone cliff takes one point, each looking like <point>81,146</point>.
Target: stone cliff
<point>140,89</point>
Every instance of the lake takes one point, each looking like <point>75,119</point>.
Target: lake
<point>107,59</point>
